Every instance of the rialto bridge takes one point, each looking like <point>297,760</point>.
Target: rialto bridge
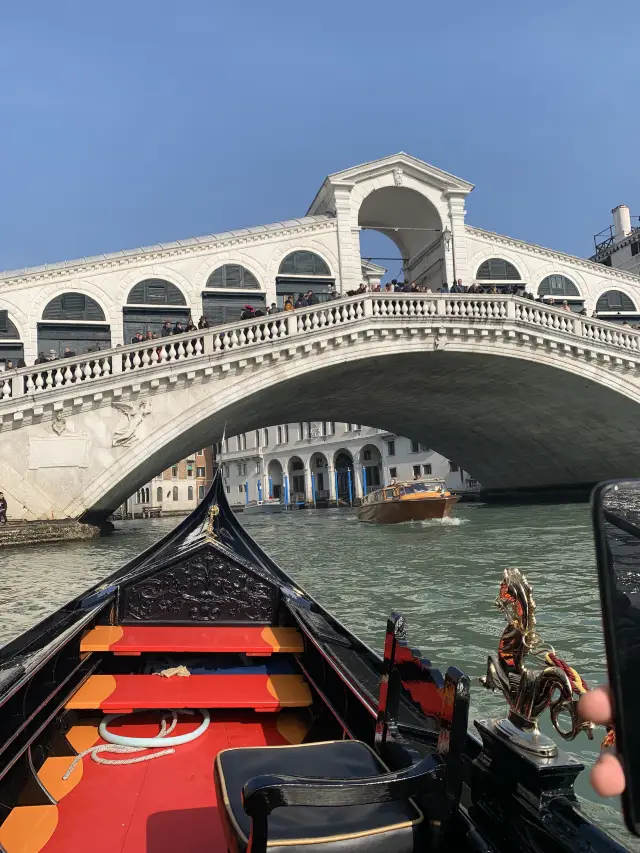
<point>520,394</point>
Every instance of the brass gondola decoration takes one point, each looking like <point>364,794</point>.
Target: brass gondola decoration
<point>530,692</point>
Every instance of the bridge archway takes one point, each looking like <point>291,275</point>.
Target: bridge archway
<point>73,320</point>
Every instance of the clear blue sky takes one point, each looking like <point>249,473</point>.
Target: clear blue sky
<point>127,123</point>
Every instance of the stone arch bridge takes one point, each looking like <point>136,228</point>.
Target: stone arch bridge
<point>520,394</point>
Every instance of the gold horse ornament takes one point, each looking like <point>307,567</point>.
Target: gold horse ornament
<point>530,692</point>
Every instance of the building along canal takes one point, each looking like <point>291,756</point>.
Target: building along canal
<point>443,577</point>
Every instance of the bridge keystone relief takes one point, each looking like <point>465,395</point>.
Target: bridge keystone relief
<point>521,394</point>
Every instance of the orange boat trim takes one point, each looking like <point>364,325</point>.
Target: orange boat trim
<point>92,693</point>
<point>52,771</point>
<point>28,828</point>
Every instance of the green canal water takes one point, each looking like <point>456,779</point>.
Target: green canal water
<point>443,577</point>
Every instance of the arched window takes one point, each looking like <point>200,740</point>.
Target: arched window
<point>175,493</point>
<point>150,303</point>
<point>233,276</point>
<point>190,493</point>
<point>614,300</point>
<point>159,494</point>
<point>303,263</point>
<point>155,291</point>
<point>73,320</point>
<point>557,285</point>
<point>10,346</point>
<point>74,306</point>
<point>497,269</point>
<point>7,328</point>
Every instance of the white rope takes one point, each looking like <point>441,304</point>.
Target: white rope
<point>94,751</point>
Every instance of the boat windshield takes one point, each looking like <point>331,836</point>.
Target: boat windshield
<point>411,488</point>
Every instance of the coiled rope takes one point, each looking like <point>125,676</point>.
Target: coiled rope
<point>121,745</point>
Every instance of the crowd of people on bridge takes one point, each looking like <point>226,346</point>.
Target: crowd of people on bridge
<point>308,298</point>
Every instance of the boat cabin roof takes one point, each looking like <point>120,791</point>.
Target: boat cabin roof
<point>405,487</point>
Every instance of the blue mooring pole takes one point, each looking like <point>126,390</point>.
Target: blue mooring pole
<point>286,490</point>
<point>246,492</point>
<point>313,489</point>
<point>364,481</point>
<point>336,479</point>
<point>270,487</point>
<point>350,487</point>
<point>259,490</point>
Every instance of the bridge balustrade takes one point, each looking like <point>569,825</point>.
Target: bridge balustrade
<point>219,340</point>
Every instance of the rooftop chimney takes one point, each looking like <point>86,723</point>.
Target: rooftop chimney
<point>621,222</point>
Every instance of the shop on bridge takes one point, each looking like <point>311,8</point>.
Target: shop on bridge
<point>559,288</point>
<point>11,347</point>
<point>616,307</point>
<point>150,304</point>
<point>228,290</point>
<point>73,320</point>
<point>300,272</point>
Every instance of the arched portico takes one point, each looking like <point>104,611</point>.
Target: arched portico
<point>297,479</point>
<point>420,207</point>
<point>275,479</point>
<point>371,465</point>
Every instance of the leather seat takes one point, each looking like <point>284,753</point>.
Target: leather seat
<point>387,827</point>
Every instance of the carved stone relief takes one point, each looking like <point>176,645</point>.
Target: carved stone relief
<point>134,413</point>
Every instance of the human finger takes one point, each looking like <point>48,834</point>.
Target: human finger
<point>607,776</point>
<point>595,705</point>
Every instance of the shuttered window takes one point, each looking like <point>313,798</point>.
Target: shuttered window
<point>615,300</point>
<point>557,285</point>
<point>233,276</point>
<point>73,306</point>
<point>155,291</point>
<point>7,328</point>
<point>227,307</point>
<point>303,263</point>
<point>497,269</point>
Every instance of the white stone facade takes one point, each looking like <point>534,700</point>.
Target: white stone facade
<point>309,453</point>
<point>419,206</point>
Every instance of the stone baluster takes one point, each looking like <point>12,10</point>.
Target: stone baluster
<point>226,341</point>
<point>199,346</point>
<point>5,388</point>
<point>30,385</point>
<point>67,376</point>
<point>39,382</point>
<point>78,375</point>
<point>86,371</point>
<point>49,377</point>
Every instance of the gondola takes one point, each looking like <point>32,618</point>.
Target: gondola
<point>272,727</point>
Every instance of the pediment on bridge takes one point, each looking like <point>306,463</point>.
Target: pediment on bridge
<point>399,166</point>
